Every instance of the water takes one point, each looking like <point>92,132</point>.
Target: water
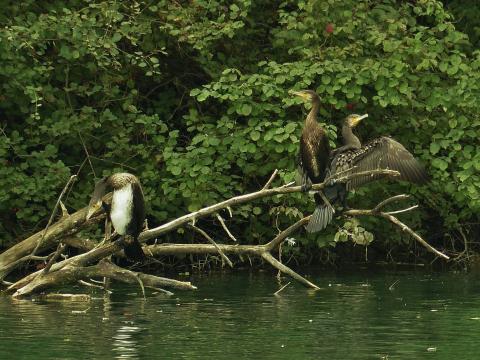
<point>236,316</point>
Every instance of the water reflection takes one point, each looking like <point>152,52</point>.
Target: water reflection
<point>354,316</point>
<point>125,344</point>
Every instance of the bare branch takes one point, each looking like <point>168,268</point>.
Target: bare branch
<point>12,266</point>
<point>222,222</point>
<point>73,223</point>
<point>398,223</point>
<point>54,212</point>
<point>269,182</point>
<point>285,269</point>
<point>281,289</point>
<point>86,283</point>
<point>82,266</point>
<point>54,258</point>
<point>65,227</point>
<point>87,154</point>
<point>402,211</point>
<point>79,243</point>
<point>102,269</point>
<point>206,236</point>
<point>385,202</point>
<point>171,225</point>
<point>285,233</point>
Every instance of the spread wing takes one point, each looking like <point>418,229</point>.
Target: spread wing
<point>380,153</point>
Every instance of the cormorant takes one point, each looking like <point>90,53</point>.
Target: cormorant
<point>126,211</point>
<point>380,153</point>
<point>314,156</point>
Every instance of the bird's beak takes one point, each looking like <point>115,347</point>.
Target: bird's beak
<point>299,93</point>
<point>358,119</point>
<point>92,209</point>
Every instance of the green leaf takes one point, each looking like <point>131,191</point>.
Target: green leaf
<point>245,109</point>
<point>440,164</point>
<point>326,79</point>
<point>202,96</point>
<point>176,170</point>
<point>255,135</point>
<point>290,127</point>
<point>116,37</point>
<point>434,148</point>
<point>214,141</point>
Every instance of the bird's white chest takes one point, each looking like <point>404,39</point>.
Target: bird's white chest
<point>121,210</point>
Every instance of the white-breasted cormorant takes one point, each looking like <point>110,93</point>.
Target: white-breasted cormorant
<point>126,211</point>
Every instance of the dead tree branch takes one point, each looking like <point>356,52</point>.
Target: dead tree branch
<point>54,212</point>
<point>222,222</point>
<point>171,225</point>
<point>71,224</point>
<point>90,264</point>
<point>210,240</point>
<point>17,254</point>
<point>106,269</point>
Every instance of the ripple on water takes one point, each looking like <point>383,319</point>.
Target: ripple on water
<point>359,316</point>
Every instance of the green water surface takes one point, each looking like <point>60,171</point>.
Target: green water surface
<point>356,315</point>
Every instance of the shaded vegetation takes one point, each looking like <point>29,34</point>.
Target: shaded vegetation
<point>193,98</point>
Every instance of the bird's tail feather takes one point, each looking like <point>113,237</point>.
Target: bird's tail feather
<point>323,214</point>
<point>321,217</point>
<point>133,250</point>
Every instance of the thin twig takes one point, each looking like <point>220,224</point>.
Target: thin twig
<point>222,222</point>
<point>206,236</point>
<point>140,282</point>
<point>54,212</point>
<point>277,240</point>
<point>54,258</point>
<point>402,211</point>
<point>86,283</point>
<point>285,269</point>
<point>86,153</point>
<point>113,162</point>
<point>163,291</point>
<point>391,287</point>
<point>279,290</point>
<point>385,202</point>
<point>398,223</point>
<point>288,184</point>
<point>269,182</point>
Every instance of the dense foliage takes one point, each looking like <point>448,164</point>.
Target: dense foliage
<point>193,97</point>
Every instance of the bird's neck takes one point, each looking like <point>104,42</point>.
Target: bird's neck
<point>313,114</point>
<point>349,138</point>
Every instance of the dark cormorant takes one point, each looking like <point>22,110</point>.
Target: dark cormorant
<point>314,156</point>
<point>126,211</point>
<point>380,153</point>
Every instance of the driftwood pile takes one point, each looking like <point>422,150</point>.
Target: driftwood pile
<point>94,259</point>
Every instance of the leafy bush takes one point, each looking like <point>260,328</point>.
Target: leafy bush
<point>193,98</point>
